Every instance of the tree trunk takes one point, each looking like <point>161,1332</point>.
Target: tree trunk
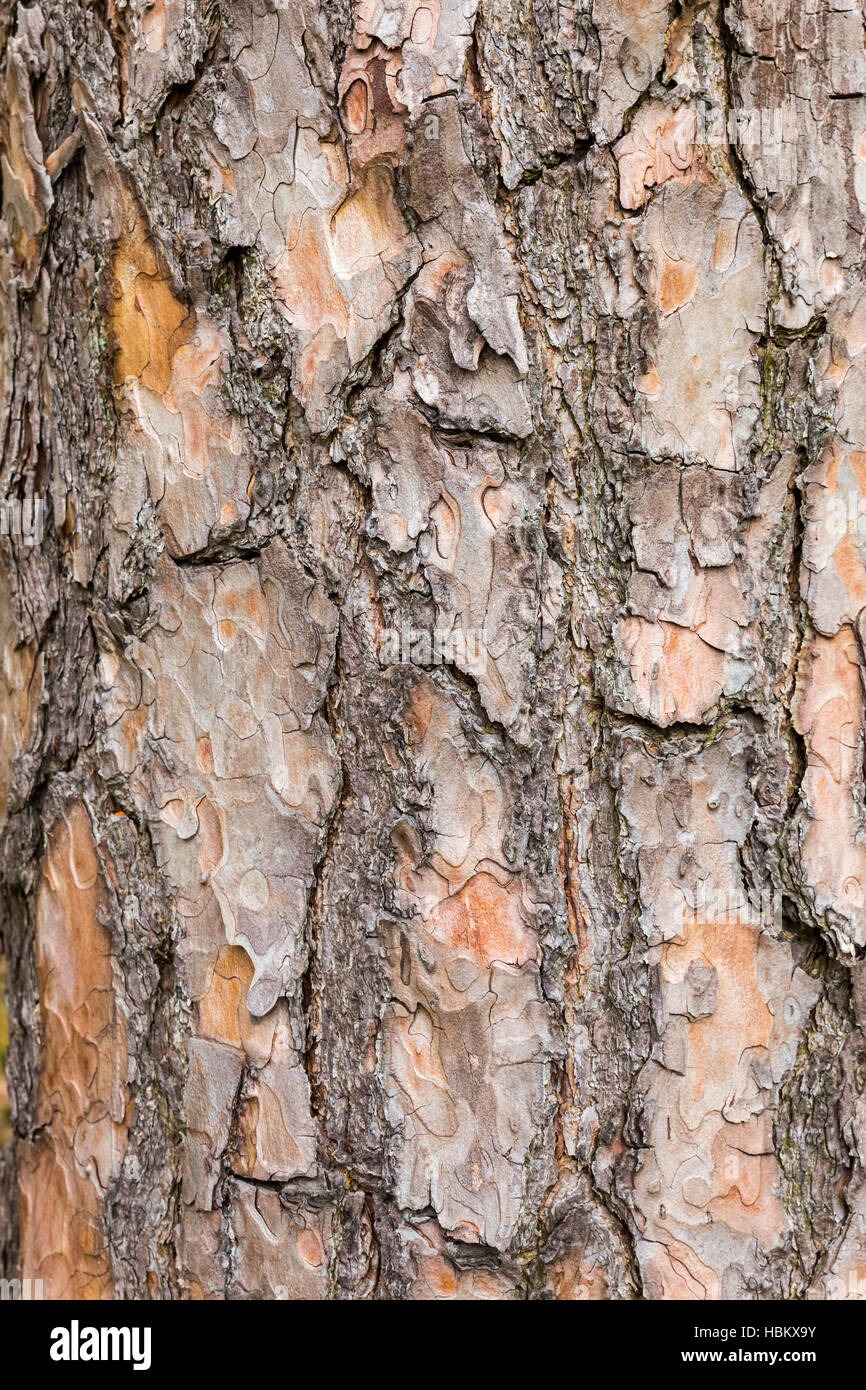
<point>431,717</point>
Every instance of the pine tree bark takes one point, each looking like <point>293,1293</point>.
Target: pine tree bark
<point>431,721</point>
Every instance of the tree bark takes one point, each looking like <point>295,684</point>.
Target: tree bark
<point>432,738</point>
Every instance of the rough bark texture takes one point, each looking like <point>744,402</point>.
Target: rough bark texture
<point>432,734</point>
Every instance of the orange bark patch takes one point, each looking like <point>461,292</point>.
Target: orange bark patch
<point>675,1272</point>
<point>741,1019</point>
<point>368,224</point>
<point>828,713</point>
<point>82,1082</point>
<point>676,284</point>
<point>419,712</point>
<point>355,104</point>
<point>306,283</point>
<point>745,1171</point>
<point>675,674</point>
<point>153,26</point>
<point>573,1280</point>
<point>484,921</point>
<point>223,1015</point>
<point>660,145</point>
<point>310,1248</point>
<point>147,320</point>
<point>848,560</point>
<point>20,701</point>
